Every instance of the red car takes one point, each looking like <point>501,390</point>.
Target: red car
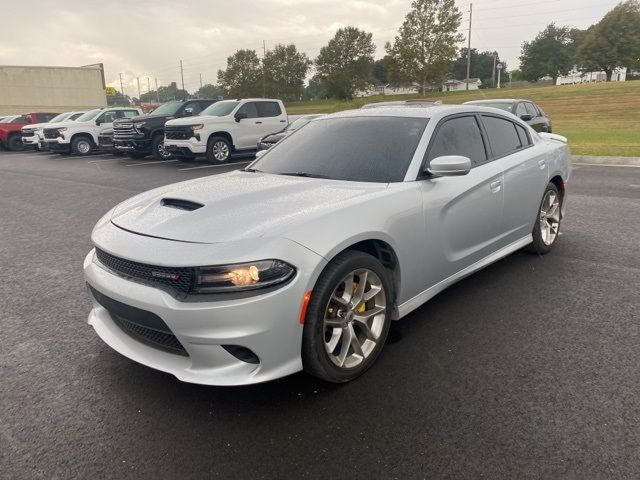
<point>10,133</point>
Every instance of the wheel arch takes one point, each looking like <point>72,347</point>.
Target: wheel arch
<point>560,184</point>
<point>380,247</point>
<point>86,135</point>
<point>224,134</point>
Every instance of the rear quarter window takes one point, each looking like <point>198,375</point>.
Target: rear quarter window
<point>268,109</point>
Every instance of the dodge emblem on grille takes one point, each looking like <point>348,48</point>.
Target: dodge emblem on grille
<point>168,276</point>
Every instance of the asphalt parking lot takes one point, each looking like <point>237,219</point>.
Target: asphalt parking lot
<point>527,369</point>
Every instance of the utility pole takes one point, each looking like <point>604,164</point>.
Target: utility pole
<point>200,81</point>
<point>499,71</point>
<point>493,72</point>
<point>182,74</point>
<point>469,46</point>
<point>139,101</point>
<point>121,86</point>
<point>157,91</point>
<point>148,90</point>
<point>264,71</point>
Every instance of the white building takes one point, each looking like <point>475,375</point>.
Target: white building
<point>387,89</point>
<point>573,77</point>
<point>453,85</point>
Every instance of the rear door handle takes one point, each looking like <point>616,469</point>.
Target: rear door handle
<point>496,186</point>
<point>258,122</point>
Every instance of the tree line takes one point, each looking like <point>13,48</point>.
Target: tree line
<point>423,53</point>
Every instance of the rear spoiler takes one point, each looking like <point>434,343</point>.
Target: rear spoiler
<point>553,136</point>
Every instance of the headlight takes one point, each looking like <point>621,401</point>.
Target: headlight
<point>63,129</point>
<point>241,276</point>
<point>138,126</point>
<point>197,127</point>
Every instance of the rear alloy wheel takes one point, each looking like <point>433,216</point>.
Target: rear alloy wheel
<point>218,150</point>
<point>348,318</point>
<point>81,146</point>
<point>15,143</point>
<point>159,152</point>
<point>547,226</point>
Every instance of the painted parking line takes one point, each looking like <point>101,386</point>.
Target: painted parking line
<point>605,165</point>
<point>150,163</point>
<point>105,160</point>
<point>216,166</point>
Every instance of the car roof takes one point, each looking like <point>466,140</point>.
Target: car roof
<point>424,111</point>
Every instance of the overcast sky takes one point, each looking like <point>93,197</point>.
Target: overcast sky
<point>147,38</point>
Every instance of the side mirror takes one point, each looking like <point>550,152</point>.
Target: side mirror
<point>240,115</point>
<point>98,122</point>
<point>188,112</point>
<point>449,166</point>
<point>260,153</point>
<point>526,117</point>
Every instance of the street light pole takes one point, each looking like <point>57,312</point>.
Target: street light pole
<point>499,72</point>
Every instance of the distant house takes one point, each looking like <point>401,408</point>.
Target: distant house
<point>387,89</point>
<point>573,77</point>
<point>453,85</point>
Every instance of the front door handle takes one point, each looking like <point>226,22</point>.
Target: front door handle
<point>496,186</point>
<point>258,122</point>
<point>542,164</point>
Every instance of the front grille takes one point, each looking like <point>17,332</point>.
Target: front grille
<point>123,131</point>
<point>105,140</point>
<point>179,279</point>
<point>142,325</point>
<point>27,132</point>
<point>172,132</point>
<point>51,133</point>
<point>155,338</point>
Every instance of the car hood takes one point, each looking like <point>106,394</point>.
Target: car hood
<point>236,206</point>
<point>35,125</point>
<point>141,118</point>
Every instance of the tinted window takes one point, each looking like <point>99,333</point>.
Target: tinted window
<point>22,119</point>
<point>45,117</point>
<point>522,135</point>
<point>365,149</point>
<point>268,109</point>
<point>521,110</point>
<point>220,109</point>
<point>108,117</point>
<point>250,109</point>
<point>195,107</point>
<point>459,136</point>
<point>502,135</point>
<point>74,116</point>
<point>532,110</point>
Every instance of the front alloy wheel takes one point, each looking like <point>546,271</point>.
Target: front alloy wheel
<point>218,150</point>
<point>547,226</point>
<point>348,318</point>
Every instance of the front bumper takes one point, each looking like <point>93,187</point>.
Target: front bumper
<point>267,324</point>
<point>31,140</point>
<point>57,145</point>
<point>191,147</point>
<point>132,145</point>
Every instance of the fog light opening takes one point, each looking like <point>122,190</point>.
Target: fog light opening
<point>242,353</point>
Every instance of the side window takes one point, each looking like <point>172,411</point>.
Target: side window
<point>521,110</point>
<point>459,136</point>
<point>503,136</point>
<point>532,110</point>
<point>129,113</point>
<point>195,107</point>
<point>250,109</point>
<point>44,117</point>
<point>523,136</point>
<point>268,109</point>
<point>108,117</point>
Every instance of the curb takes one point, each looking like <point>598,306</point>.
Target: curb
<point>612,161</point>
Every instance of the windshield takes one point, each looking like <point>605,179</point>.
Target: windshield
<point>220,109</point>
<point>299,122</point>
<point>60,118</point>
<point>363,149</point>
<point>167,109</point>
<point>90,115</point>
<point>500,105</point>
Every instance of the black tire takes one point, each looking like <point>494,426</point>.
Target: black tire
<point>159,153</point>
<point>215,145</point>
<point>14,143</point>
<point>315,358</point>
<point>136,155</point>
<point>539,246</point>
<point>82,145</point>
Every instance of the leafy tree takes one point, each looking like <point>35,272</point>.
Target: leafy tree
<point>285,70</point>
<point>381,72</point>
<point>614,41</point>
<point>209,91</point>
<point>481,66</point>
<point>345,63</point>
<point>516,75</point>
<point>550,53</point>
<point>118,100</point>
<point>313,90</point>
<point>426,42</point>
<point>243,76</point>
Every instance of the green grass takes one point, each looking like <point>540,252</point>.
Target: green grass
<point>598,119</point>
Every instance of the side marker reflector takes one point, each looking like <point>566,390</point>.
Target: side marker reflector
<point>305,305</point>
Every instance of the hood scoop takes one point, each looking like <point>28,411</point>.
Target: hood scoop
<point>181,204</point>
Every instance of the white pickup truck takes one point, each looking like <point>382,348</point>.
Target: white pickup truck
<point>33,135</point>
<point>81,135</point>
<point>223,128</point>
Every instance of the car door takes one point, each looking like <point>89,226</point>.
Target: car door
<point>463,214</point>
<point>245,129</point>
<point>270,114</point>
<point>525,173</point>
<point>105,121</point>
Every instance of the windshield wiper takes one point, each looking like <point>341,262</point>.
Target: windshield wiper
<point>305,174</point>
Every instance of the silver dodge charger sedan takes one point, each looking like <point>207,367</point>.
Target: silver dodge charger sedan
<point>302,260</point>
